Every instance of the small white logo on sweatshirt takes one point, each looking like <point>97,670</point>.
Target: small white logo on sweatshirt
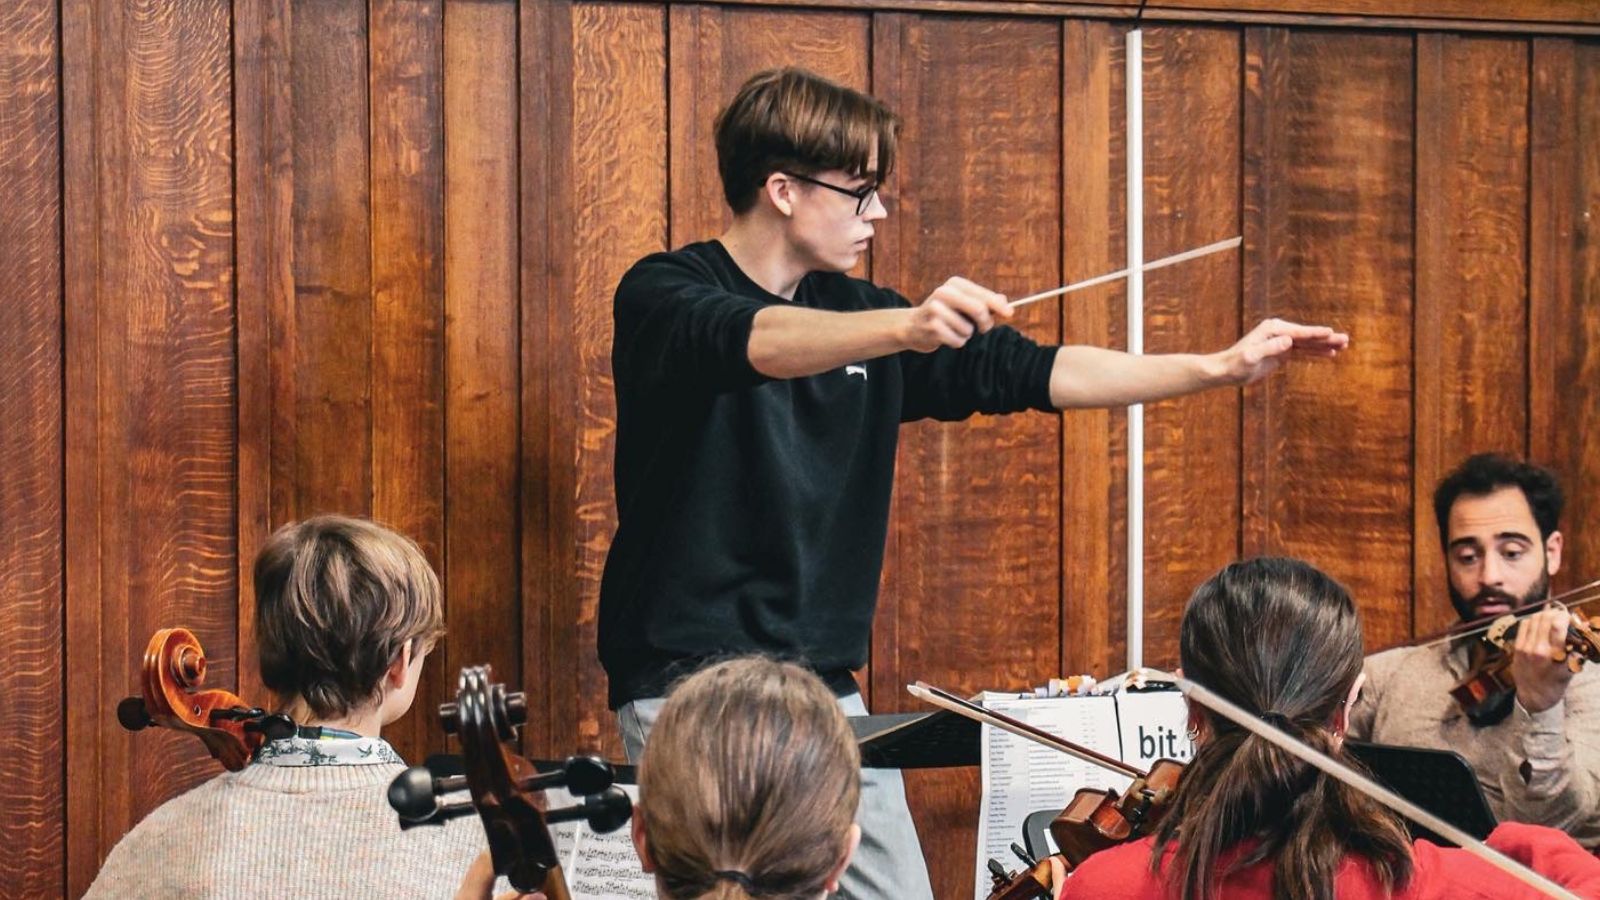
<point>856,370</point>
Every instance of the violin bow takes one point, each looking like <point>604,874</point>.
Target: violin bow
<point>1161,263</point>
<point>962,707</point>
<point>1587,593</point>
<point>1204,696</point>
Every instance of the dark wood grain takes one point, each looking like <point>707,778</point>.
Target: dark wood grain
<point>1564,342</point>
<point>1557,17</point>
<point>1471,318</point>
<point>714,49</point>
<point>550,648</point>
<point>1093,441</point>
<point>1328,228</point>
<point>619,202</point>
<point>89,788</point>
<point>407,77</point>
<point>160,336</point>
<point>411,319</point>
<point>32,520</point>
<point>323,462</point>
<point>264,292</point>
<point>976,551</point>
<point>481,341</point>
<point>1191,196</point>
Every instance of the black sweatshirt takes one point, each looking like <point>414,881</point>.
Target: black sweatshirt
<point>752,512</point>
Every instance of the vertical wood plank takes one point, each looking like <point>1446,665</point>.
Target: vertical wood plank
<point>91,790</point>
<point>714,50</point>
<point>977,502</point>
<point>1191,159</point>
<point>323,462</point>
<point>481,340</point>
<point>1471,320</point>
<point>408,270</point>
<point>263,207</point>
<point>32,525</point>
<point>154,313</point>
<point>614,159</point>
<point>1328,208</point>
<point>1094,441</point>
<point>1564,343</point>
<point>545,272</point>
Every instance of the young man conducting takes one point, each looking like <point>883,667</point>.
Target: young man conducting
<point>760,392</point>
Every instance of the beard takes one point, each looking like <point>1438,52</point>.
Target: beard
<point>1467,608</point>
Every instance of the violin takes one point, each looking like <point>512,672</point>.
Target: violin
<point>1032,883</point>
<point>1098,819</point>
<point>1486,693</point>
<point>506,789</point>
<point>1094,820</point>
<point>170,697</point>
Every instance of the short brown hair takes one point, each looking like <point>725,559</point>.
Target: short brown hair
<point>337,599</point>
<point>793,120</point>
<point>752,769</point>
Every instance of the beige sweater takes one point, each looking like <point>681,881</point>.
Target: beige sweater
<point>1541,767</point>
<point>303,832</point>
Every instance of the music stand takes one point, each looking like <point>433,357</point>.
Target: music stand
<point>1439,781</point>
<point>935,740</point>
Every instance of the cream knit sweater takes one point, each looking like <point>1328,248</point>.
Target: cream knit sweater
<point>282,831</point>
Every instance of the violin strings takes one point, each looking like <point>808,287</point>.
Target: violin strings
<point>1585,594</point>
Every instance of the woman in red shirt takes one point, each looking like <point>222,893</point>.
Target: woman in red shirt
<point>1278,637</point>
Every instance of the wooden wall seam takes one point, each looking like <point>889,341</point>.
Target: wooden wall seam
<point>33,681</point>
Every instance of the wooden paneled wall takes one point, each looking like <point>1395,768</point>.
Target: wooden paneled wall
<point>270,259</point>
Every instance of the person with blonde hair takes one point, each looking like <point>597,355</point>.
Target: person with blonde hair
<point>346,612</point>
<point>749,786</point>
<point>748,789</point>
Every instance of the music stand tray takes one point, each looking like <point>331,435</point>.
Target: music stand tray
<point>1439,781</point>
<point>935,740</point>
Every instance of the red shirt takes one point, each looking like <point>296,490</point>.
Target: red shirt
<point>1438,873</point>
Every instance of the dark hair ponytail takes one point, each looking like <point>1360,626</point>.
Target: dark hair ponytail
<point>1278,637</point>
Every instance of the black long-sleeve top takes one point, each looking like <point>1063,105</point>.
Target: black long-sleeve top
<point>752,511</point>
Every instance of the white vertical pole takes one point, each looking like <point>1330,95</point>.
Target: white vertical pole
<point>1135,152</point>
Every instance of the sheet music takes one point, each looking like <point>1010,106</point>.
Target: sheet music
<point>1021,777</point>
<point>600,866</point>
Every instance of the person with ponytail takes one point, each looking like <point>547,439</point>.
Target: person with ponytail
<point>749,786</point>
<point>748,789</point>
<point>1279,637</point>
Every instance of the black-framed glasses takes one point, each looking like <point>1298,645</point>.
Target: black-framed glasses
<point>863,195</point>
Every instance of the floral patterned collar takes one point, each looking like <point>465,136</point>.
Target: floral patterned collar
<point>333,748</point>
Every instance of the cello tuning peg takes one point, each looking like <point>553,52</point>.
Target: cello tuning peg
<point>517,708</point>
<point>412,795</point>
<point>132,714</point>
<point>606,811</point>
<point>586,775</point>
